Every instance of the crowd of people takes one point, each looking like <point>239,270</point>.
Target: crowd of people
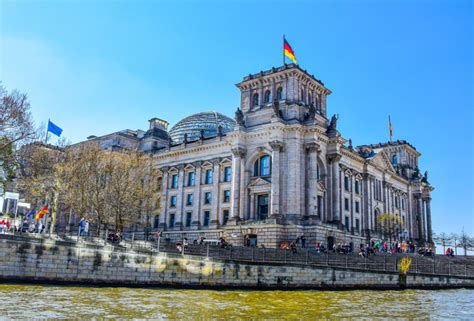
<point>27,226</point>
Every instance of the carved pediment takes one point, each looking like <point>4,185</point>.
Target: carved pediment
<point>259,182</point>
<point>381,161</point>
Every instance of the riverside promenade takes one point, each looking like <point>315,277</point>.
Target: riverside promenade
<point>32,259</point>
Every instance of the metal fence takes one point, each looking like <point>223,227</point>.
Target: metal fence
<point>138,241</point>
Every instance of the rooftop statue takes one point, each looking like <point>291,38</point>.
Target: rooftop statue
<point>239,117</point>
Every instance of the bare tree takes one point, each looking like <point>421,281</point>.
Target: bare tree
<point>444,239</point>
<point>466,242</point>
<point>16,124</point>
<point>390,225</point>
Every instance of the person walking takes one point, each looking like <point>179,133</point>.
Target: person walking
<point>82,225</point>
<point>86,228</point>
<point>303,241</point>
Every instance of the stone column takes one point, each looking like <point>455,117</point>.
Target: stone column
<point>336,214</point>
<point>312,179</point>
<point>237,154</point>
<point>252,206</point>
<point>179,198</point>
<point>275,190</point>
<point>420,216</point>
<point>429,231</point>
<point>196,222</point>
<point>215,194</point>
<point>328,214</point>
<point>164,199</point>
<point>243,198</point>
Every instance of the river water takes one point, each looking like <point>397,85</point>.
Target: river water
<point>34,301</point>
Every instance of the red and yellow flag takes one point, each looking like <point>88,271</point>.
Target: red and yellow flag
<point>41,213</point>
<point>288,51</point>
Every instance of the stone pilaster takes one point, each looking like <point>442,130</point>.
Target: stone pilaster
<point>238,154</point>
<point>164,199</point>
<point>336,192</point>
<point>196,222</point>
<point>179,198</point>
<point>275,189</point>
<point>312,179</point>
<point>215,194</point>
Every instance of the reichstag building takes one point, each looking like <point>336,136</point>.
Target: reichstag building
<point>278,170</point>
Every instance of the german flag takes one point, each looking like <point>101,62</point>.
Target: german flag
<point>41,213</point>
<point>288,51</point>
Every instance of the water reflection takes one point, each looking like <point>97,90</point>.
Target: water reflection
<point>31,301</point>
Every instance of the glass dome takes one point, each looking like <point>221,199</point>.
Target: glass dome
<point>192,125</point>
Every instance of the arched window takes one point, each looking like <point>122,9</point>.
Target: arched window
<point>280,93</point>
<point>268,96</point>
<point>255,100</point>
<point>394,159</point>
<point>262,166</point>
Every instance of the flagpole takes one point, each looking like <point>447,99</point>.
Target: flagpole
<point>46,138</point>
<point>283,51</point>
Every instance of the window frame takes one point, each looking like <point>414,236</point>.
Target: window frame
<point>206,200</point>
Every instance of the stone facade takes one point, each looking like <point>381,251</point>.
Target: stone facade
<point>285,170</point>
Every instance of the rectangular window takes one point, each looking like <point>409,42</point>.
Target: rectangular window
<point>191,176</point>
<point>320,205</point>
<point>227,174</point>
<point>356,185</point>
<point>189,199</point>
<point>171,220</point>
<point>207,216</point>
<point>173,201</point>
<point>226,196</point>
<point>208,179</point>
<point>403,204</point>
<point>357,207</point>
<point>188,219</point>
<point>346,204</point>
<point>347,223</point>
<point>207,198</point>
<point>346,183</point>
<point>225,217</point>
<point>156,222</point>
<point>357,225</point>
<point>174,181</point>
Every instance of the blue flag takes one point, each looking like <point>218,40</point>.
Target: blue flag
<point>52,128</point>
<point>31,214</point>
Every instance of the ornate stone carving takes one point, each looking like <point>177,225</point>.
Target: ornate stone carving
<point>239,152</point>
<point>311,112</point>
<point>332,128</point>
<point>276,145</point>
<point>239,117</point>
<point>276,109</point>
<point>312,147</point>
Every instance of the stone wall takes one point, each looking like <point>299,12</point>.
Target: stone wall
<point>30,260</point>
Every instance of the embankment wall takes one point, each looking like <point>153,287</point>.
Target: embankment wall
<point>46,261</point>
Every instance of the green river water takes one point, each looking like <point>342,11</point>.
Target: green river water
<point>34,301</point>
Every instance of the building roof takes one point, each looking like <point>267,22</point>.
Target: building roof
<point>208,122</point>
<point>281,68</point>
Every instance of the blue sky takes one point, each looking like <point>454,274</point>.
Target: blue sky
<point>95,67</point>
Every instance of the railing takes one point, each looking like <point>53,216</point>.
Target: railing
<point>436,265</point>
